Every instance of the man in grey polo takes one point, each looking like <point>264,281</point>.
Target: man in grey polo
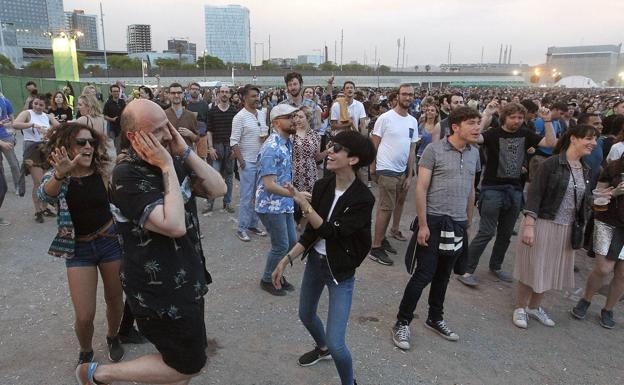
<point>444,205</point>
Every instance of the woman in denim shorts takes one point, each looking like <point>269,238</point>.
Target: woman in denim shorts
<point>77,185</point>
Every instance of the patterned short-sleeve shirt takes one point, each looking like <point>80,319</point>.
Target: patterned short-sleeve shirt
<point>274,158</point>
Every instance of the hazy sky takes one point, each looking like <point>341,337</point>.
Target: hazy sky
<point>301,26</point>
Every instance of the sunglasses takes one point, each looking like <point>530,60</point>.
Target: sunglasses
<point>337,147</point>
<point>81,142</point>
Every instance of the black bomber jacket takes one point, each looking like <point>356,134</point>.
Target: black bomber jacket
<point>347,232</point>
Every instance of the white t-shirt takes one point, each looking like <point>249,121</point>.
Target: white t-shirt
<point>616,151</point>
<point>397,133</point>
<point>32,134</point>
<point>246,131</point>
<point>356,111</point>
<point>320,245</point>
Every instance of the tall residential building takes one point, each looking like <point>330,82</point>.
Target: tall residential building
<point>87,24</point>
<point>31,19</point>
<point>182,47</point>
<point>139,38</point>
<point>228,33</point>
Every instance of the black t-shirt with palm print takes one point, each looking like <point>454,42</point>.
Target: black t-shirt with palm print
<point>161,276</point>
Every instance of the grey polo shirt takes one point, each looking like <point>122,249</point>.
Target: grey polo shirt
<point>452,178</point>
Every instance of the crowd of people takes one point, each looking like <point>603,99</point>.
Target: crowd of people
<point>127,180</point>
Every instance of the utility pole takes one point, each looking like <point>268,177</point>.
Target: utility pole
<point>269,47</point>
<point>104,40</point>
<point>509,57</point>
<point>375,55</point>
<point>398,52</point>
<point>341,47</point>
<point>403,66</point>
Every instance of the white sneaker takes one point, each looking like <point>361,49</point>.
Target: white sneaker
<point>520,318</point>
<point>540,315</point>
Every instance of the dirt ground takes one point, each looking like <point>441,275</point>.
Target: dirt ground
<point>257,338</point>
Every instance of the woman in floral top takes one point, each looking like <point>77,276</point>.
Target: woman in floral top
<point>306,152</point>
<point>87,237</point>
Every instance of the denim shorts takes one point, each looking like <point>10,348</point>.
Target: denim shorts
<point>100,250</point>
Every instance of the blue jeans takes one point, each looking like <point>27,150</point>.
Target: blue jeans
<point>283,233</point>
<point>225,166</point>
<point>95,252</point>
<point>496,219</point>
<point>315,277</point>
<point>247,216</point>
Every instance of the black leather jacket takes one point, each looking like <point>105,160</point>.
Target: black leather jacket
<point>548,188</point>
<point>347,232</point>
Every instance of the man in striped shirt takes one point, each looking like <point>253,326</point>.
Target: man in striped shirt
<point>248,129</point>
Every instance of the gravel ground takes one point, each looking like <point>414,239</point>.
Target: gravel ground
<point>257,338</point>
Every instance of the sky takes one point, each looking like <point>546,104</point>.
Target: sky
<point>299,27</point>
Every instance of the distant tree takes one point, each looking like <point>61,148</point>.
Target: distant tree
<point>328,66</point>
<point>5,63</point>
<point>534,79</point>
<point>304,67</point>
<point>427,68</point>
<point>355,67</point>
<point>416,68</point>
<point>40,65</point>
<point>383,69</point>
<point>123,62</point>
<point>212,62</point>
<point>167,63</point>
<point>81,58</point>
<point>95,69</point>
<point>611,82</point>
<point>237,65</point>
<point>267,65</point>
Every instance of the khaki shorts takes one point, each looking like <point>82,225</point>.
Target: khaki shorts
<point>390,187</point>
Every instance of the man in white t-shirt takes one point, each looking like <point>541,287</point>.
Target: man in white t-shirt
<point>356,112</point>
<point>395,135</point>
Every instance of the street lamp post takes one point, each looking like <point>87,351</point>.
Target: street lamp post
<point>204,65</point>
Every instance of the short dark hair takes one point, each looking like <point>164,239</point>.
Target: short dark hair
<point>618,102</point>
<point>403,85</point>
<point>348,82</point>
<point>561,106</point>
<point>195,84</point>
<point>461,114</point>
<point>249,87</point>
<point>175,85</point>
<point>449,97</point>
<point>584,117</point>
<point>578,131</point>
<point>530,105</point>
<point>293,75</point>
<point>114,86</point>
<point>359,146</point>
<point>30,83</point>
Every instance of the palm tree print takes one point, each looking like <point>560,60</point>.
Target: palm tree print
<point>140,299</point>
<point>139,233</point>
<point>151,268</point>
<point>198,290</point>
<point>179,278</point>
<point>172,312</point>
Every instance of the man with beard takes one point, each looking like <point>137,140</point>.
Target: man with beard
<point>395,135</point>
<point>452,102</point>
<point>163,272</point>
<point>182,119</point>
<point>501,198</point>
<point>294,84</point>
<point>357,112</point>
<point>274,202</point>
<point>444,204</point>
<point>219,129</point>
<point>200,107</point>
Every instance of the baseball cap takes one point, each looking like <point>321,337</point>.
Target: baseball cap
<point>282,110</point>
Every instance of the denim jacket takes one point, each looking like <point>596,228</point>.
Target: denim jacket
<point>549,186</point>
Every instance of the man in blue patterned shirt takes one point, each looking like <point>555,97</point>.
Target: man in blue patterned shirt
<point>274,203</point>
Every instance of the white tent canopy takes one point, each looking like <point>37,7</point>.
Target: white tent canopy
<point>576,82</point>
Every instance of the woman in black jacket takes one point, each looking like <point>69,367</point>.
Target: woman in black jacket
<point>335,241</point>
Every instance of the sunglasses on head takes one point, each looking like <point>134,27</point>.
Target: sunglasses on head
<point>81,142</point>
<point>337,147</point>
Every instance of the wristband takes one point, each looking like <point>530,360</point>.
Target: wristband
<point>185,154</point>
<point>57,178</point>
<point>289,258</point>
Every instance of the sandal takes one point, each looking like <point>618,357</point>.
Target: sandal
<point>398,235</point>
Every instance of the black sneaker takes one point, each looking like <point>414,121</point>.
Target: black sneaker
<point>132,337</point>
<point>115,350</point>
<point>314,356</point>
<point>39,217</point>
<point>269,288</point>
<point>378,255</point>
<point>49,213</point>
<point>606,319</point>
<point>442,329</point>
<point>387,246</point>
<point>287,285</point>
<point>401,335</point>
<point>580,310</point>
<point>85,357</point>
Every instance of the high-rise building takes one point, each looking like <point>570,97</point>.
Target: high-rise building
<point>32,20</point>
<point>228,33</point>
<point>87,24</point>
<point>139,38</point>
<point>182,47</point>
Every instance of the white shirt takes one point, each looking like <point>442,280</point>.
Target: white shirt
<point>246,131</point>
<point>356,112</point>
<point>397,133</point>
<point>320,245</point>
<point>616,151</point>
<point>32,134</point>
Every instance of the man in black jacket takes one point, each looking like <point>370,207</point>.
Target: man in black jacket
<point>444,201</point>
